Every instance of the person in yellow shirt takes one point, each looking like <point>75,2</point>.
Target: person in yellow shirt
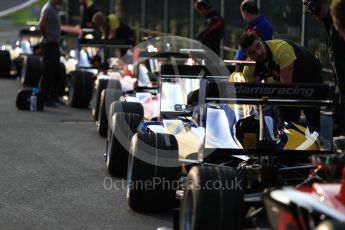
<point>285,62</point>
<point>112,27</point>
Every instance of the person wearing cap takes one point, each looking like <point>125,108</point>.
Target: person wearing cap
<point>212,33</point>
<point>111,27</point>
<point>283,61</point>
<point>256,24</point>
<point>320,9</point>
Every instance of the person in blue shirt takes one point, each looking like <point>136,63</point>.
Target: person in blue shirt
<point>256,24</point>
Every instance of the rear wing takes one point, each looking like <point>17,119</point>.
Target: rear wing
<point>206,71</point>
<point>222,91</point>
<point>237,65</point>
<point>184,71</point>
<point>104,43</point>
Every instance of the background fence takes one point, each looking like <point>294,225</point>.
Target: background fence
<point>178,17</point>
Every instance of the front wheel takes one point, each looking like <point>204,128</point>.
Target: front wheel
<point>80,89</point>
<point>124,126</point>
<point>153,172</point>
<point>107,97</point>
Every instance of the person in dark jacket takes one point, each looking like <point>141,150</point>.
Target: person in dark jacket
<point>87,10</point>
<point>338,16</point>
<point>50,28</point>
<point>212,33</point>
<point>256,24</point>
<point>320,9</point>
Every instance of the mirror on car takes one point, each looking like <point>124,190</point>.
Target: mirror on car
<point>181,107</point>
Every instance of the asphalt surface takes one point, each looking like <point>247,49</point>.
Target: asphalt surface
<point>52,172</point>
<point>8,36</point>
<point>6,4</point>
<point>8,29</point>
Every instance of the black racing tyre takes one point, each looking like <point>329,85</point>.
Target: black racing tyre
<point>120,134</point>
<point>107,97</point>
<point>62,81</point>
<point>114,84</point>
<point>129,107</point>
<point>6,64</point>
<point>100,85</point>
<point>18,65</point>
<point>111,113</point>
<point>80,89</point>
<point>31,71</point>
<point>331,225</point>
<point>124,126</point>
<point>110,131</point>
<point>153,160</point>
<point>213,199</point>
<point>23,99</point>
<point>124,107</point>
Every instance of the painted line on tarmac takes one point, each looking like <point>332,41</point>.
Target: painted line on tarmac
<point>17,8</point>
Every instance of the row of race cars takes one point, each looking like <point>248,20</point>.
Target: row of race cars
<point>187,131</point>
<point>218,140</point>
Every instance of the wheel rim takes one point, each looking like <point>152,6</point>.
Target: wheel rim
<point>188,212</point>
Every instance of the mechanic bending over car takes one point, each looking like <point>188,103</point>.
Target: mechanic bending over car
<point>285,62</point>
<point>320,9</point>
<point>111,27</point>
<point>256,23</point>
<point>212,33</point>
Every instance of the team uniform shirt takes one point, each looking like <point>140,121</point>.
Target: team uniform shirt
<point>261,28</point>
<point>211,35</point>
<point>114,21</point>
<point>281,54</point>
<point>306,69</point>
<point>124,32</point>
<point>51,15</point>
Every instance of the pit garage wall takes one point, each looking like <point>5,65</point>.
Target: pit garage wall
<point>177,17</point>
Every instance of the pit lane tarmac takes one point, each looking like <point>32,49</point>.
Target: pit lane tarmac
<point>52,172</point>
